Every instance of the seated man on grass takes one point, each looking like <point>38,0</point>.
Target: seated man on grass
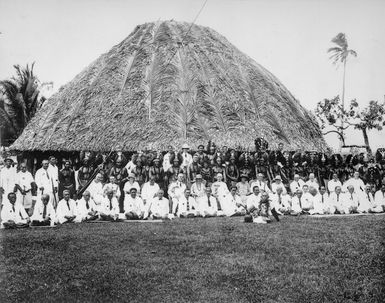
<point>296,203</point>
<point>366,200</point>
<point>207,205</point>
<point>281,202</point>
<point>13,215</point>
<point>66,209</point>
<point>109,209</point>
<point>186,206</point>
<point>379,200</point>
<point>159,207</point>
<point>350,201</point>
<point>134,208</point>
<point>260,214</point>
<point>86,209</point>
<point>232,204</point>
<point>43,214</point>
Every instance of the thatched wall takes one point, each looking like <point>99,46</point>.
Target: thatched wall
<point>160,86</point>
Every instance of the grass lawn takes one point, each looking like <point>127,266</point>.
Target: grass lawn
<point>299,259</point>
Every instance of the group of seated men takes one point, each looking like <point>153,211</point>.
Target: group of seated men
<point>254,199</point>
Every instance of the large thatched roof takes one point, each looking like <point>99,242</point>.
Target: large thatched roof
<point>169,83</point>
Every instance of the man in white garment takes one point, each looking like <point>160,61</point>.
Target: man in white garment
<point>350,200</point>
<point>176,190</point>
<point>366,200</point>
<point>296,184</point>
<point>43,213</point>
<point>278,183</point>
<point>7,179</point>
<point>159,207</point>
<point>131,165</point>
<point>24,183</point>
<point>66,209</point>
<point>280,202</point>
<point>337,205</point>
<point>149,190</point>
<point>253,200</point>
<point>312,182</point>
<point>86,209</point>
<point>333,183</point>
<point>130,184</point>
<point>112,185</point>
<point>186,156</point>
<point>96,190</point>
<point>321,204</point>
<point>186,207</point>
<point>356,181</point>
<point>232,204</point>
<point>166,159</point>
<point>307,199</point>
<point>134,208</point>
<point>207,205</point>
<point>243,188</point>
<point>13,215</point>
<point>262,185</point>
<point>296,203</point>
<point>379,200</point>
<point>219,189</point>
<point>109,208</point>
<point>45,183</point>
<point>53,171</point>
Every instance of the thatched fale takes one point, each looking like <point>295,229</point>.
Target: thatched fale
<point>170,83</point>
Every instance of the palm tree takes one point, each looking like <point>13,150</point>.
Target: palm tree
<point>340,54</point>
<point>19,102</point>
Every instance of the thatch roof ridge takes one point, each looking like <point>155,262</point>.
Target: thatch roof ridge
<point>160,86</point>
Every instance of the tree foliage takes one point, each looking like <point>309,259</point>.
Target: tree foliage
<point>331,113</point>
<point>19,101</point>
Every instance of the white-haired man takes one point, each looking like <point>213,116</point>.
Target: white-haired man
<point>356,182</point>
<point>296,184</point>
<point>159,207</point>
<point>86,209</point>
<point>66,209</point>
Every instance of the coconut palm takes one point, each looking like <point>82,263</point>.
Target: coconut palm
<point>340,54</point>
<point>20,100</point>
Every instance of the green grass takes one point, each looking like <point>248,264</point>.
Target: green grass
<point>299,259</point>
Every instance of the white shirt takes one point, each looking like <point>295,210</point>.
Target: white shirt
<point>253,201</point>
<point>231,204</point>
<point>332,184</point>
<point>313,183</point>
<point>219,189</point>
<point>182,205</point>
<point>261,184</point>
<point>8,179</point>
<point>275,185</point>
<point>127,187</point>
<point>96,191</point>
<point>39,210</point>
<point>24,180</point>
<point>350,199</point>
<point>149,191</point>
<point>112,186</point>
<point>17,215</point>
<point>133,205</point>
<point>277,204</point>
<point>44,179</point>
<point>63,210</point>
<point>130,167</point>
<point>295,185</point>
<point>379,198</point>
<point>106,204</point>
<point>54,173</point>
<point>159,206</point>
<point>176,189</point>
<point>166,162</point>
<point>81,207</point>
<point>207,203</point>
<point>358,185</point>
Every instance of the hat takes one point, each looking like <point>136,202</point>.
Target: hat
<point>185,146</point>
<point>133,188</point>
<point>218,174</point>
<point>260,175</point>
<point>278,177</point>
<point>198,176</point>
<point>244,176</point>
<point>157,159</point>
<point>8,158</point>
<point>131,175</point>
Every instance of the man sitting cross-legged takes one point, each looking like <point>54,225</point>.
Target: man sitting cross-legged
<point>109,209</point>
<point>13,215</point>
<point>186,207</point>
<point>86,209</point>
<point>134,208</point>
<point>260,214</point>
<point>43,214</point>
<point>159,207</point>
<point>66,209</point>
<point>207,205</point>
<point>232,204</point>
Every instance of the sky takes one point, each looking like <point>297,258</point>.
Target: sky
<point>288,37</point>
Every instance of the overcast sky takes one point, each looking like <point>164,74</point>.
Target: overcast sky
<point>288,37</point>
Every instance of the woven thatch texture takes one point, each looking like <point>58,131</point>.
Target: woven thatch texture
<point>162,86</point>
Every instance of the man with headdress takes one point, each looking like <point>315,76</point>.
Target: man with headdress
<point>193,169</point>
<point>207,172</point>
<point>174,170</point>
<point>140,171</point>
<point>66,179</point>
<point>201,154</point>
<point>157,173</point>
<point>24,184</point>
<point>84,173</point>
<point>8,179</point>
<point>121,176</point>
